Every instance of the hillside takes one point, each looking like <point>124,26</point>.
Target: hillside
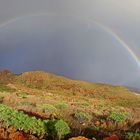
<point>90,109</point>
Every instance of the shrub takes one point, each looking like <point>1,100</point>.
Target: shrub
<point>22,94</point>
<point>132,136</point>
<point>82,116</point>
<point>57,128</point>
<point>21,121</point>
<point>61,105</point>
<point>4,88</point>
<point>26,103</point>
<point>118,117</point>
<point>47,108</point>
<point>42,128</point>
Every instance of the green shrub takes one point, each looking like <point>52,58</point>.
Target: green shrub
<point>4,88</point>
<point>21,121</point>
<point>118,117</point>
<point>42,128</point>
<point>22,94</point>
<point>62,105</point>
<point>26,103</point>
<point>47,108</point>
<point>82,116</point>
<point>57,128</point>
<point>132,136</point>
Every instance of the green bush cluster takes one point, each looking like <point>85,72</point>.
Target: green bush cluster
<point>31,125</point>
<point>57,128</point>
<point>118,117</point>
<point>62,105</point>
<point>21,121</point>
<point>48,108</point>
<point>82,116</point>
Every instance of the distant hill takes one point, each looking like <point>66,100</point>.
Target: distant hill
<point>44,80</point>
<point>137,90</point>
<point>50,82</point>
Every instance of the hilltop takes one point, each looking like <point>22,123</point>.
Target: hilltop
<point>90,109</point>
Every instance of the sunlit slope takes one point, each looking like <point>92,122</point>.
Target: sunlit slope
<point>61,85</point>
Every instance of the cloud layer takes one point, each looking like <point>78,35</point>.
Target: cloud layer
<point>65,42</point>
<point>65,46</point>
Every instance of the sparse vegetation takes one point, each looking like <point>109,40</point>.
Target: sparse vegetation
<point>83,104</point>
<point>27,103</point>
<point>47,108</point>
<point>118,117</point>
<point>128,102</point>
<point>88,108</point>
<point>4,88</point>
<point>82,116</point>
<point>22,94</point>
<point>61,105</point>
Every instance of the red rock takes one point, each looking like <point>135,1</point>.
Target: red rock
<point>97,123</point>
<point>2,132</point>
<point>113,137</point>
<point>79,138</point>
<point>17,136</point>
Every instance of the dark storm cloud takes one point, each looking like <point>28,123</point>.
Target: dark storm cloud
<point>67,47</point>
<point>64,42</point>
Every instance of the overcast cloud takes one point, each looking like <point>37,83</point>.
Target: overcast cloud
<point>60,38</point>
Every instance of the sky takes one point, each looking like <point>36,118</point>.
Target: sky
<point>80,39</point>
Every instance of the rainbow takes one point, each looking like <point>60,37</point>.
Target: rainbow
<point>124,44</point>
<point>12,20</point>
<point>103,27</point>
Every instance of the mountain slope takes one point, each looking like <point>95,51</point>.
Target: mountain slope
<point>90,109</point>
